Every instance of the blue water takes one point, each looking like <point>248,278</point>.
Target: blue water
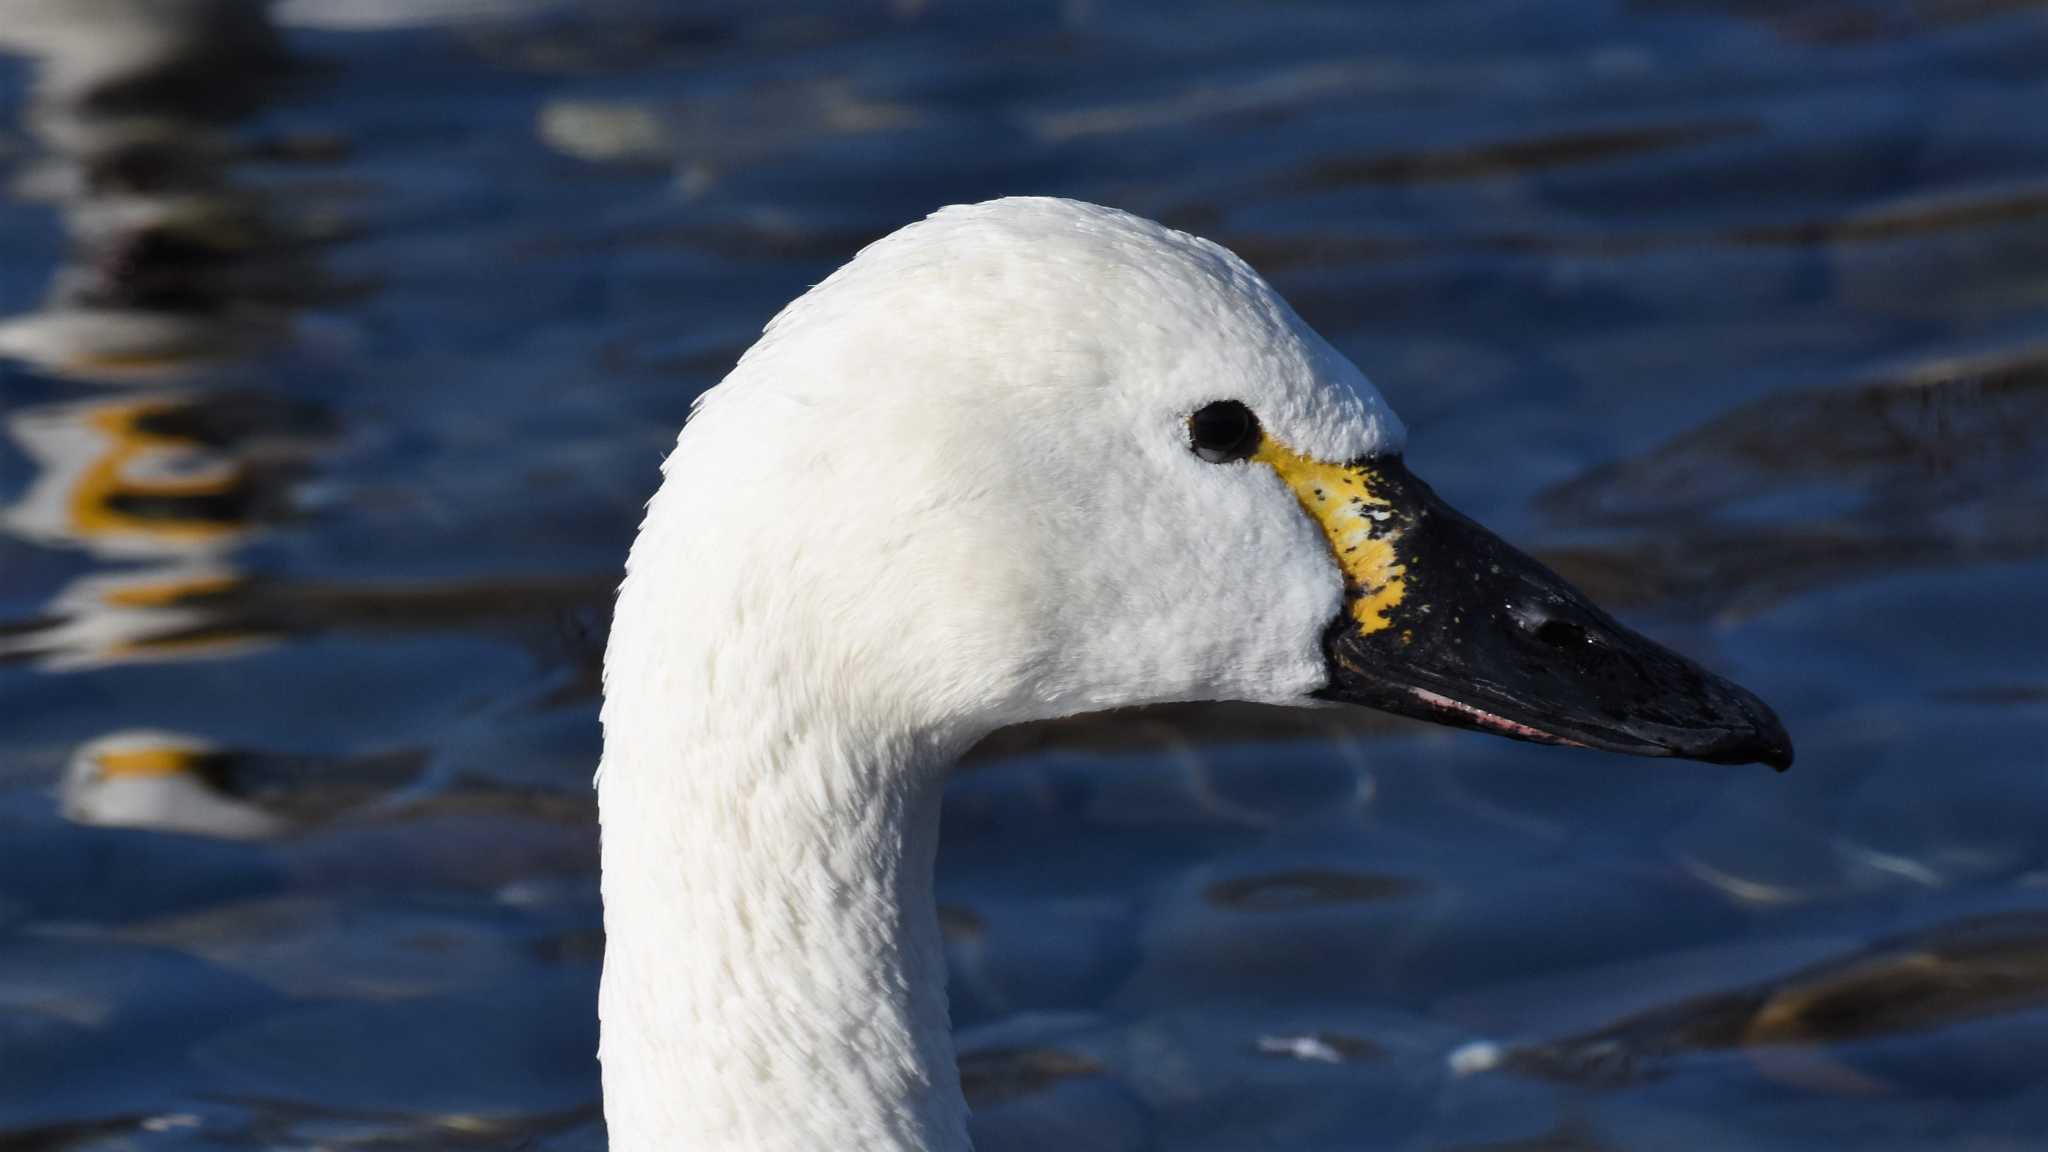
<point>343,338</point>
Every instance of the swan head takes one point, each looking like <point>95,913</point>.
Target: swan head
<point>1031,458</point>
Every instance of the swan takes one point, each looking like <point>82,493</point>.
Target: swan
<point>1020,460</point>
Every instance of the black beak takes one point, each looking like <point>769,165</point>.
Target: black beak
<point>1460,628</point>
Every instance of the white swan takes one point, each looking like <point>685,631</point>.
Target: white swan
<point>1024,459</point>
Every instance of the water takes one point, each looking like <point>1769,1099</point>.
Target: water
<point>343,339</point>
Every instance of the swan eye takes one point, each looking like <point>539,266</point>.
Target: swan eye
<point>1223,432</point>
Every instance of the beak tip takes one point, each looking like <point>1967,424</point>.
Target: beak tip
<point>1762,745</point>
<point>1774,744</point>
<point>1779,756</point>
<point>1767,742</point>
<point>1749,733</point>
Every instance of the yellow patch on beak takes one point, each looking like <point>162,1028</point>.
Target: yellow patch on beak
<point>1341,498</point>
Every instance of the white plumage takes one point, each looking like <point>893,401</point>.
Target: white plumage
<point>949,490</point>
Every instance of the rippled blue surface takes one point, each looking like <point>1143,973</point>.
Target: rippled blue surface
<point>343,339</point>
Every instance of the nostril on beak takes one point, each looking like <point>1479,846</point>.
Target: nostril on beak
<point>1561,634</point>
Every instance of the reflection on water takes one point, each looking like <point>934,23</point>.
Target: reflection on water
<point>1823,21</point>
<point>992,1075</point>
<point>1321,1047</point>
<point>711,136</point>
<point>1950,975</point>
<point>184,784</point>
<point>1938,466</point>
<point>275,1125</point>
<point>171,264</point>
<point>1305,887</point>
<point>341,339</point>
<point>177,482</point>
<point>160,780</point>
<point>164,475</point>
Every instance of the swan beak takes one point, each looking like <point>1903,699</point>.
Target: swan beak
<point>1447,622</point>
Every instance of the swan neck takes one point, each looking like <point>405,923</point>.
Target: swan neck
<point>774,975</point>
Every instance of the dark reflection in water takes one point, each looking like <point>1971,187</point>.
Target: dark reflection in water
<point>174,783</point>
<point>222,612</point>
<point>1942,466</point>
<point>1940,435</point>
<point>63,1137</point>
<point>175,267</point>
<point>260,1124</point>
<point>1931,980</point>
<point>342,338</point>
<point>271,1125</point>
<point>1508,158</point>
<point>179,784</point>
<point>1185,726</point>
<point>173,261</point>
<point>993,1075</point>
<point>1306,888</point>
<point>1833,22</point>
<point>1572,1136</point>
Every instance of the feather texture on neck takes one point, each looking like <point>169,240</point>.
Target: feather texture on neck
<point>774,976</point>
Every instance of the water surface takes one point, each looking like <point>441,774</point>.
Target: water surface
<point>342,339</point>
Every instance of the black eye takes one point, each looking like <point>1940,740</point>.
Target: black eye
<point>1223,432</point>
